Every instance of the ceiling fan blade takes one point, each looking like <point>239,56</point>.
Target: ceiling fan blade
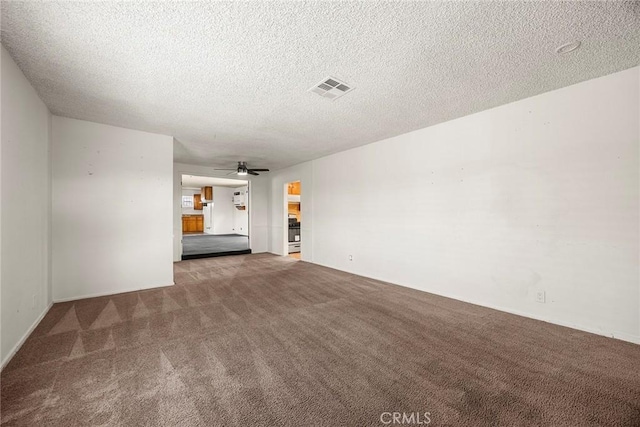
<point>251,172</point>
<point>230,169</point>
<point>232,173</point>
<point>259,170</point>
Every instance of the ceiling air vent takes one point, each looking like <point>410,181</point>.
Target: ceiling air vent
<point>331,88</point>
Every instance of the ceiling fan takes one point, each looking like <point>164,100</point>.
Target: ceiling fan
<point>243,170</point>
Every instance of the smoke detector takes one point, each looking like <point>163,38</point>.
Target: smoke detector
<point>331,88</point>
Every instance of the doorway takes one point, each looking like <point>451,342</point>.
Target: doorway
<point>293,220</point>
<point>215,217</point>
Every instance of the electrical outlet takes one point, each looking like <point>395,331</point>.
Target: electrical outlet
<point>540,297</point>
<point>350,257</point>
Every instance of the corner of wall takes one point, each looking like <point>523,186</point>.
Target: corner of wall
<point>26,139</point>
<point>2,53</point>
<point>49,296</point>
<point>24,337</point>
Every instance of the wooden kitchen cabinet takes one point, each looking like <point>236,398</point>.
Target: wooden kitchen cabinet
<point>294,209</point>
<point>192,223</point>
<point>197,202</point>
<point>294,188</point>
<point>188,225</point>
<point>207,193</point>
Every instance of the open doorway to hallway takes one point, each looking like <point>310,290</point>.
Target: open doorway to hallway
<point>294,219</point>
<point>215,217</point>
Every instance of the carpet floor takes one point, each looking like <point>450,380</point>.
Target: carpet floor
<point>261,340</point>
<point>199,244</point>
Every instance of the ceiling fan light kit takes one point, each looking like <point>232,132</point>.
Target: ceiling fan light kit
<point>243,170</point>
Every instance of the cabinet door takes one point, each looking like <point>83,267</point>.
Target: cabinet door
<point>185,224</point>
<point>207,192</point>
<point>199,223</point>
<point>197,202</point>
<point>294,188</point>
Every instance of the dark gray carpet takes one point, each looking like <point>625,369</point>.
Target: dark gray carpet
<point>206,243</point>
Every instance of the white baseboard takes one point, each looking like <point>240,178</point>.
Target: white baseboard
<point>623,336</point>
<point>609,334</point>
<point>16,347</point>
<point>104,294</point>
<point>19,344</point>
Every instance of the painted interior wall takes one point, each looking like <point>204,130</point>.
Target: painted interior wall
<point>241,216</point>
<point>112,213</point>
<point>538,195</point>
<point>258,214</point>
<point>223,210</point>
<point>2,355</point>
<point>26,200</point>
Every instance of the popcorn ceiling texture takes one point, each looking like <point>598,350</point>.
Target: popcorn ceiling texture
<point>229,80</point>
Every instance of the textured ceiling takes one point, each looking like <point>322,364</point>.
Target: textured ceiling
<point>229,80</point>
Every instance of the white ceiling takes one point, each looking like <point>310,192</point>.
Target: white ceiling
<point>229,80</point>
<point>192,181</point>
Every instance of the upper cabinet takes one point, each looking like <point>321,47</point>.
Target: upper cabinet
<point>197,202</point>
<point>294,188</point>
<point>207,193</point>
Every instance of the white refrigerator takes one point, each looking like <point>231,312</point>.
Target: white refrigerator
<point>207,211</point>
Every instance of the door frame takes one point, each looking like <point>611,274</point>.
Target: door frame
<point>285,218</point>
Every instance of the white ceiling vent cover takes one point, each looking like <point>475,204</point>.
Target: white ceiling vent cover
<point>331,88</point>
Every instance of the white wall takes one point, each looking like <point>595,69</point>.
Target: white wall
<point>112,209</point>
<point>538,195</point>
<point>223,210</point>
<point>25,199</point>
<point>241,216</point>
<point>258,213</point>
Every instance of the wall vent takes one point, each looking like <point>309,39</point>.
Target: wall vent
<point>331,88</point>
